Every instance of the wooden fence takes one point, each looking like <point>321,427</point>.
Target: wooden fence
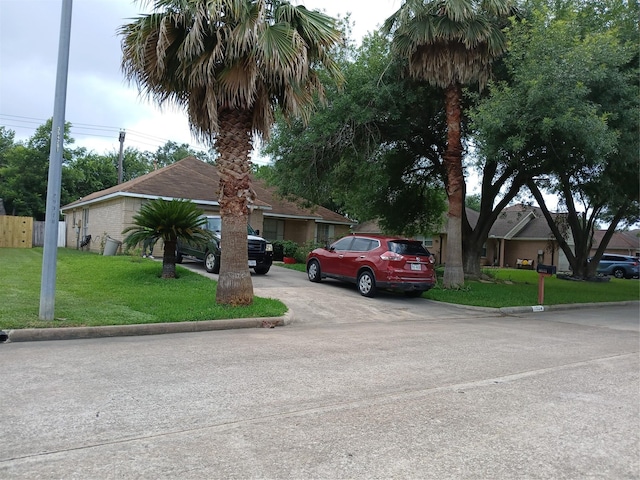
<point>25,232</point>
<point>16,232</point>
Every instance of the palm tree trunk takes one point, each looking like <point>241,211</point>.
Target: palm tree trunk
<point>453,272</point>
<point>234,145</point>
<point>169,259</point>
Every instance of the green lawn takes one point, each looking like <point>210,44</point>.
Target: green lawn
<point>95,290</point>
<point>514,288</point>
<point>116,290</point>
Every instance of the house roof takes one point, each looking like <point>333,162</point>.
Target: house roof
<point>199,181</point>
<point>189,178</point>
<point>619,241</point>
<point>295,208</point>
<point>520,222</point>
<point>515,222</point>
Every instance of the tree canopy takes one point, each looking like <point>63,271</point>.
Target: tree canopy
<point>568,112</point>
<point>24,168</point>
<point>373,151</point>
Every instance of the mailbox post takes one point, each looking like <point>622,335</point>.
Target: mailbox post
<point>543,271</point>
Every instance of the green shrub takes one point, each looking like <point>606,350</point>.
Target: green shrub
<point>278,248</point>
<point>289,248</point>
<point>303,250</point>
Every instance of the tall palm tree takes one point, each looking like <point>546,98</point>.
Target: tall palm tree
<point>169,221</point>
<point>230,64</point>
<point>451,43</point>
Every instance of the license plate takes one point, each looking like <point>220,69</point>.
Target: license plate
<point>252,263</point>
<point>416,266</point>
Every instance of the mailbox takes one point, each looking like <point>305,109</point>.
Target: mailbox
<point>548,269</point>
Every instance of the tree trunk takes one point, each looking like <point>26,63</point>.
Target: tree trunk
<point>169,259</point>
<point>234,145</point>
<point>453,271</point>
<point>472,253</point>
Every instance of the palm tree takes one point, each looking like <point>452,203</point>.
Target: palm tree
<point>230,64</point>
<point>169,221</point>
<point>451,43</point>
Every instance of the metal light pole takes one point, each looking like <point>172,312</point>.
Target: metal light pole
<point>50,253</point>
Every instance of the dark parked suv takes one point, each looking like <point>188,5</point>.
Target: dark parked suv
<point>620,266</point>
<point>373,261</point>
<point>260,251</point>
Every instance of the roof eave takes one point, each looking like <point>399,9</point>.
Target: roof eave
<point>111,196</point>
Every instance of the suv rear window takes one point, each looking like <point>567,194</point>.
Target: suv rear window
<point>404,247</point>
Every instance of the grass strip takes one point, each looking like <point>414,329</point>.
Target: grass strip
<point>93,290</point>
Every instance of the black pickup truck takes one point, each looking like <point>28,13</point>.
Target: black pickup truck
<point>260,251</point>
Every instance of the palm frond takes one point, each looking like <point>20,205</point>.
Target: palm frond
<point>188,52</point>
<point>167,220</point>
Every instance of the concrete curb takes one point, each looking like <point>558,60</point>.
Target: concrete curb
<point>73,333</point>
<point>569,306</point>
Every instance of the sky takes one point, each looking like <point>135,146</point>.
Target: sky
<point>100,103</point>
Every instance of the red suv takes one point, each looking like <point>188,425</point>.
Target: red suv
<point>373,261</point>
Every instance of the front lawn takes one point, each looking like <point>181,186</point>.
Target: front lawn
<point>94,290</point>
<point>514,288</point>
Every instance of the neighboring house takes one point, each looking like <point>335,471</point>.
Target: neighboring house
<point>519,233</point>
<point>108,212</point>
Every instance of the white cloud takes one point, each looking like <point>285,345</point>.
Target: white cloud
<point>97,94</point>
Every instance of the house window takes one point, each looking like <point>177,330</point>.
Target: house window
<point>324,233</point>
<point>273,229</point>
<point>484,250</point>
<point>428,242</point>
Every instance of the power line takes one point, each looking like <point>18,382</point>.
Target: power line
<point>91,130</point>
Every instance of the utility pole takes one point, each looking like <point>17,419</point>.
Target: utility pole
<point>121,138</point>
<point>54,182</point>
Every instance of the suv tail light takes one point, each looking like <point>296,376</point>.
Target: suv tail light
<point>391,256</point>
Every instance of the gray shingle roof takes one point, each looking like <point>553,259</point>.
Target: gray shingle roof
<point>196,180</point>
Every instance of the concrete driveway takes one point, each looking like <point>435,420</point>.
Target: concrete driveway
<point>386,388</point>
<point>332,302</point>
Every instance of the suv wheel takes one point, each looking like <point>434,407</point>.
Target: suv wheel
<point>179,257</point>
<point>367,284</point>
<point>313,271</point>
<point>212,263</point>
<point>618,272</point>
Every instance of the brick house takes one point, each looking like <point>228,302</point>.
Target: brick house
<point>519,233</point>
<point>108,212</point>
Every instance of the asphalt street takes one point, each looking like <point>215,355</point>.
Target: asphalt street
<point>351,387</point>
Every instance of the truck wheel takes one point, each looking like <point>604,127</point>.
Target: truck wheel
<point>261,270</point>
<point>179,257</point>
<point>212,263</point>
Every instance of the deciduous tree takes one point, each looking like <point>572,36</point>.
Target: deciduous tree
<point>570,111</point>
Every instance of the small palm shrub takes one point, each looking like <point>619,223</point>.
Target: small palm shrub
<point>169,221</point>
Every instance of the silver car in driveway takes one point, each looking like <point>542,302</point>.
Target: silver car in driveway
<point>620,266</point>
